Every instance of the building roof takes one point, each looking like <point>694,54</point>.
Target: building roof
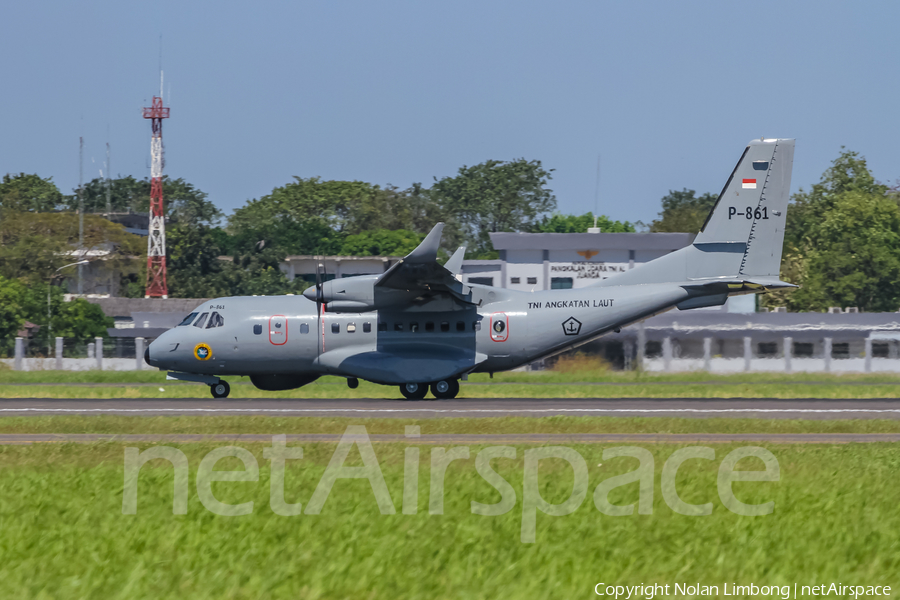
<point>593,241</point>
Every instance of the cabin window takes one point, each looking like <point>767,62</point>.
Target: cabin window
<point>382,326</point>
<point>188,319</point>
<point>367,327</point>
<point>429,326</point>
<point>515,280</point>
<point>398,326</point>
<point>414,327</point>
<point>304,327</point>
<point>335,328</point>
<point>257,329</point>
<point>460,325</point>
<point>445,326</point>
<point>201,321</point>
<point>532,281</point>
<point>215,320</point>
<point>351,327</point>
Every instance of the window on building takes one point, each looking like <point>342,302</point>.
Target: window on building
<point>188,319</point>
<point>881,349</point>
<point>532,281</point>
<point>767,349</point>
<point>367,327</point>
<point>560,283</point>
<point>840,350</point>
<point>414,327</point>
<point>351,327</point>
<point>653,349</point>
<point>429,326</point>
<point>482,280</point>
<point>460,325</point>
<point>335,328</point>
<point>398,326</point>
<point>215,320</point>
<point>304,327</point>
<point>515,280</point>
<point>201,321</point>
<point>382,326</point>
<point>445,326</point>
<point>257,329</point>
<point>803,349</point>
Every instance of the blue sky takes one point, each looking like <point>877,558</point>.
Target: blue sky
<point>399,92</point>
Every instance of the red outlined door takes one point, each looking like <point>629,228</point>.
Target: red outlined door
<point>499,327</point>
<point>278,332</point>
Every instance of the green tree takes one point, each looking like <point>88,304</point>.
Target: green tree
<point>11,315</point>
<point>683,211</point>
<point>559,223</point>
<point>493,196</point>
<point>30,193</point>
<point>842,242</point>
<point>33,245</point>
<point>183,202</point>
<point>381,242</point>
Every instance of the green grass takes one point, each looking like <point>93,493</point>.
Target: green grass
<point>113,424</point>
<point>64,534</point>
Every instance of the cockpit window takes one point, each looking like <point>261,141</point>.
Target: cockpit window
<point>188,319</point>
<point>201,321</point>
<point>215,320</point>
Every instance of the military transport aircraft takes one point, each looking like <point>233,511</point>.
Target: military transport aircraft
<point>418,326</point>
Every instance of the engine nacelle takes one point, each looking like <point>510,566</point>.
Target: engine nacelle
<point>277,382</point>
<point>358,294</point>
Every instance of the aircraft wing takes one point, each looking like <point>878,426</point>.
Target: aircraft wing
<point>420,271</point>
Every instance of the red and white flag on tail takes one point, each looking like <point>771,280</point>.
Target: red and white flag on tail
<point>749,184</point>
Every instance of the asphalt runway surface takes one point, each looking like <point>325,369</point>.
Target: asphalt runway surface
<point>807,408</point>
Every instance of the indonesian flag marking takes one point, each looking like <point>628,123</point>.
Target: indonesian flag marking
<point>748,184</point>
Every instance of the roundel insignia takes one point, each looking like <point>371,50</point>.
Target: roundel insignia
<point>202,352</point>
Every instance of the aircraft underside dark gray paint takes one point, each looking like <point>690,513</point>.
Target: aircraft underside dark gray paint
<point>417,325</point>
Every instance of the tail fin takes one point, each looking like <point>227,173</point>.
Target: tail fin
<point>748,218</point>
<point>742,237</point>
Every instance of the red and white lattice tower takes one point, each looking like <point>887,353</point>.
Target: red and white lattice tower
<point>156,241</point>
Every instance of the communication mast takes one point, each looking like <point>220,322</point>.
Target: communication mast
<point>156,241</point>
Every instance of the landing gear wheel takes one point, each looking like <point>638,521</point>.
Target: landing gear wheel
<point>352,383</point>
<point>446,389</point>
<point>414,391</point>
<point>220,390</point>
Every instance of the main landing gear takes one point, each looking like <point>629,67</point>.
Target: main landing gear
<point>442,390</point>
<point>220,390</point>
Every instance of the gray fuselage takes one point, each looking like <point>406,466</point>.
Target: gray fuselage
<point>501,329</point>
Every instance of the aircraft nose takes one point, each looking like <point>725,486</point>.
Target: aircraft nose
<point>147,358</point>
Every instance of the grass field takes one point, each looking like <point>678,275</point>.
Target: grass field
<point>546,384</point>
<point>64,534</point>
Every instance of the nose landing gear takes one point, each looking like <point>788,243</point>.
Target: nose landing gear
<point>220,390</point>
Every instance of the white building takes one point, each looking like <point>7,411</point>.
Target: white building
<point>543,261</point>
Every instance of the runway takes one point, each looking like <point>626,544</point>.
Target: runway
<point>807,408</point>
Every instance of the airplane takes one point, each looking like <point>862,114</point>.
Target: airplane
<point>418,326</point>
